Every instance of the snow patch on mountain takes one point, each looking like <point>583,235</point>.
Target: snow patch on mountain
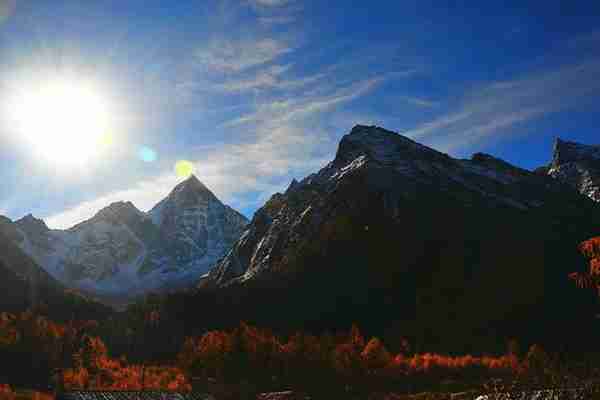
<point>124,252</point>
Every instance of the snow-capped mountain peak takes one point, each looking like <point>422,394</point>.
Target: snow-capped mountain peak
<point>119,212</point>
<point>191,186</point>
<point>122,252</point>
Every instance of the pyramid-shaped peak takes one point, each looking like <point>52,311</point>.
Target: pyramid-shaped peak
<point>193,179</point>
<point>189,192</point>
<point>192,183</point>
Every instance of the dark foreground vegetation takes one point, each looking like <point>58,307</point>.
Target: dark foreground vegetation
<point>144,349</point>
<point>240,363</point>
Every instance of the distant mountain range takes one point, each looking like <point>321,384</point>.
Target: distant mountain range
<point>122,253</point>
<point>25,285</point>
<point>390,230</point>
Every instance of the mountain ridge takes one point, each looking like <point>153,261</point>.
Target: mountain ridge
<point>122,252</point>
<point>577,165</point>
<point>378,152</point>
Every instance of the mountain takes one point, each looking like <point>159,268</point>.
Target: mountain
<point>25,285</point>
<point>406,240</point>
<point>578,165</point>
<point>122,253</point>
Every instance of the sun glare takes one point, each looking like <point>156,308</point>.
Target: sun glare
<point>64,122</point>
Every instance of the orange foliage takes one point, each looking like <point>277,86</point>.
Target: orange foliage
<point>96,370</point>
<point>91,365</point>
<point>425,363</point>
<point>346,356</point>
<point>591,248</point>
<point>6,392</point>
<point>595,266</point>
<point>591,279</point>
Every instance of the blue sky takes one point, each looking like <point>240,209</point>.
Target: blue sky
<point>257,92</point>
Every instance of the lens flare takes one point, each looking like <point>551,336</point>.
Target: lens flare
<point>184,168</point>
<point>147,154</point>
<point>107,140</point>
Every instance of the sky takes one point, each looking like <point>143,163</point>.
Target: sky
<point>254,93</point>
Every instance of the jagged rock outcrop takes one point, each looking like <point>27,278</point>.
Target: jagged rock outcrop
<point>578,165</point>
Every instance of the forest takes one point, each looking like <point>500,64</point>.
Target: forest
<point>142,349</point>
<point>49,357</point>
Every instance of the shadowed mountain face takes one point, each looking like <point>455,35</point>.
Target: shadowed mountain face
<point>24,284</point>
<point>391,230</point>
<point>122,252</point>
<point>577,165</point>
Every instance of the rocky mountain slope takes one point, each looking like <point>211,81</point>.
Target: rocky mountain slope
<point>122,252</point>
<point>395,169</point>
<point>578,165</point>
<point>392,230</point>
<point>25,285</point>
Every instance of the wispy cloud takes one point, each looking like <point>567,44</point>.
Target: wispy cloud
<point>495,109</point>
<point>273,77</point>
<point>279,132</point>
<point>228,55</point>
<point>277,19</point>
<point>284,142</point>
<point>271,3</point>
<point>143,194</point>
<point>419,101</point>
<point>280,111</point>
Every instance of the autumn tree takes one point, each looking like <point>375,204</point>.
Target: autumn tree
<point>590,279</point>
<point>375,356</point>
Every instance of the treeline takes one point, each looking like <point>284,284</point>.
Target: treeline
<point>351,361</point>
<point>44,355</point>
<point>39,353</point>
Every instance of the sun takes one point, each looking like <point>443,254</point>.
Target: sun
<point>66,122</point>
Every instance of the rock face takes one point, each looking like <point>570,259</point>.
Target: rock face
<point>194,227</point>
<point>376,166</point>
<point>123,252</point>
<point>577,165</point>
<point>393,228</point>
